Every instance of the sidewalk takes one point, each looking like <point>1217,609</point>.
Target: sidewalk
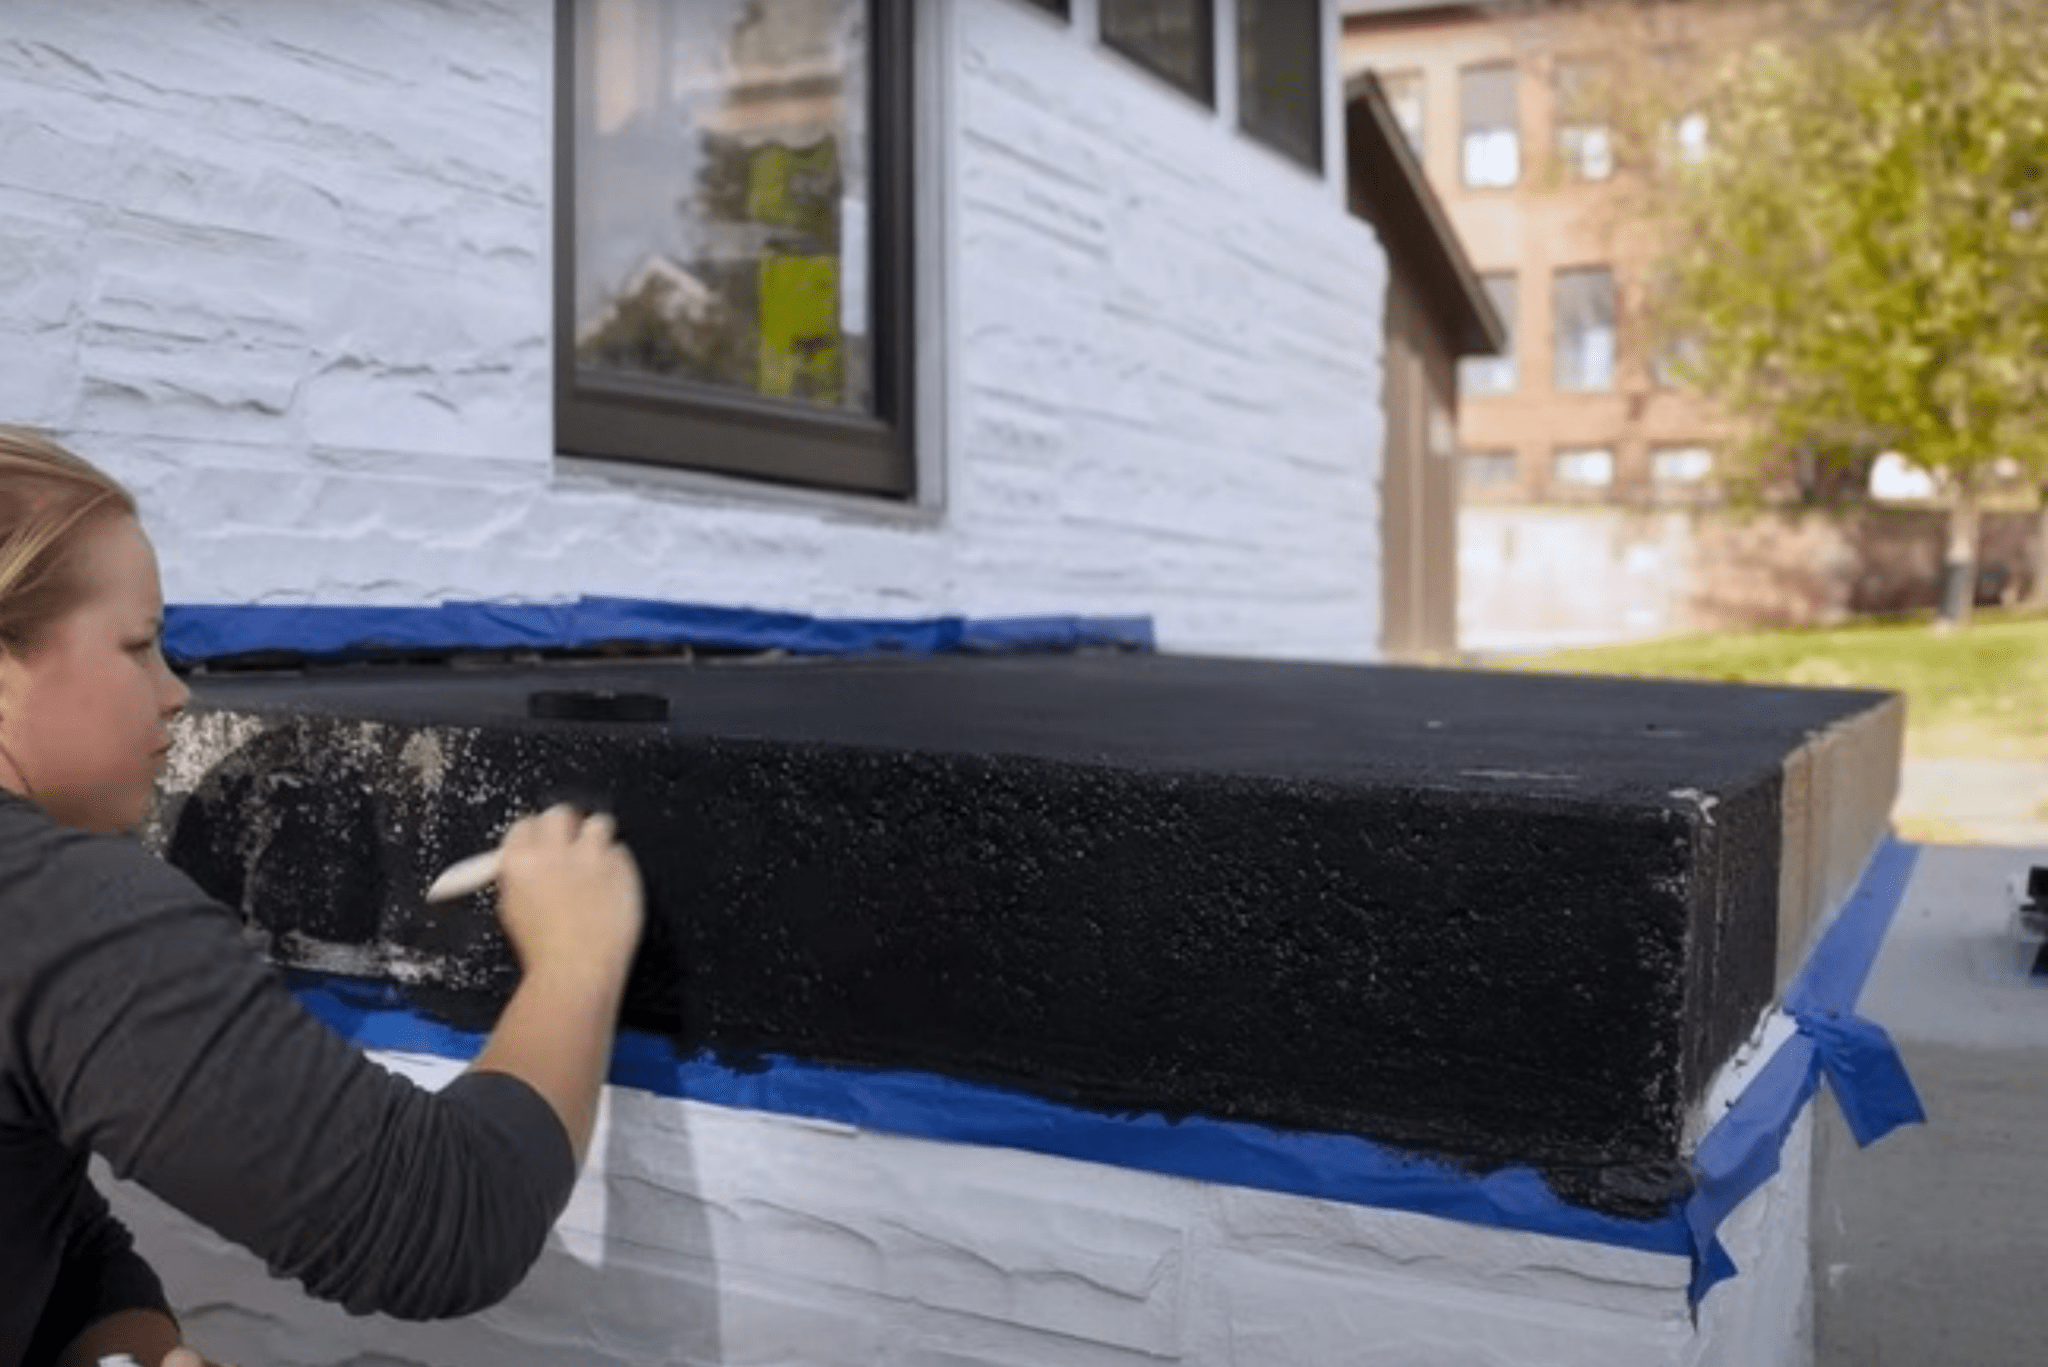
<point>1974,802</point>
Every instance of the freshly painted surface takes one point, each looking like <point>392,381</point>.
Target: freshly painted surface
<point>287,270</point>
<point>1515,920</point>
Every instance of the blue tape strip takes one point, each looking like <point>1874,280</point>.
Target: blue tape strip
<point>198,633</point>
<point>1333,1167</point>
<point>1862,1067</point>
<point>1738,1155</point>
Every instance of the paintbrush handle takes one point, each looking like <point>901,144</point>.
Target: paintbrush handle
<point>460,879</point>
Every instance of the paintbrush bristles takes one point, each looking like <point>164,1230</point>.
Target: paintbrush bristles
<point>464,877</point>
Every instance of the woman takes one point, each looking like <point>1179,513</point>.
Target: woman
<point>135,1024</point>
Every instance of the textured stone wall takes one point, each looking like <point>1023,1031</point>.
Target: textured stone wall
<point>704,1235</point>
<point>286,266</point>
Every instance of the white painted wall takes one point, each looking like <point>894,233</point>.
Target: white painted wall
<point>285,266</point>
<point>705,1235</point>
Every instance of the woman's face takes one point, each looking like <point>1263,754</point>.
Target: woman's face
<point>85,716</point>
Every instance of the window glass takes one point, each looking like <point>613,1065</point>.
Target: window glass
<point>1489,469</point>
<point>1173,38</point>
<point>1583,467</point>
<point>1280,75</point>
<point>1583,307</point>
<point>1406,91</point>
<point>1688,138</point>
<point>1585,142</point>
<point>1495,374</point>
<point>722,197</point>
<point>1680,464</point>
<point>1489,125</point>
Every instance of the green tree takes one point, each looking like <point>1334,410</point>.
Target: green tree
<point>1859,261</point>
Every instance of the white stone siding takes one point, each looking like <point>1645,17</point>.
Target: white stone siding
<point>285,265</point>
<point>703,1235</point>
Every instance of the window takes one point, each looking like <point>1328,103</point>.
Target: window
<point>733,238</point>
<point>1489,126</point>
<point>1685,139</point>
<point>1682,131</point>
<point>1680,465</point>
<point>1489,469</point>
<point>1583,309</point>
<point>1280,76</point>
<point>1582,467</point>
<point>1058,7</point>
<point>1174,39</point>
<point>1585,143</point>
<point>1672,359</point>
<point>1495,374</point>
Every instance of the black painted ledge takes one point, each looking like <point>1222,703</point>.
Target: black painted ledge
<point>1495,917</point>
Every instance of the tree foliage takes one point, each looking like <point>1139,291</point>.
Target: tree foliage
<point>1860,259</point>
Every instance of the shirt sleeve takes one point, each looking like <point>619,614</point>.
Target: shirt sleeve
<point>163,1043</point>
<point>101,1275</point>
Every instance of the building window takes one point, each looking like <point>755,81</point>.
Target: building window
<point>1498,374</point>
<point>733,238</point>
<point>1406,91</point>
<point>1058,7</point>
<point>1685,139</point>
<point>1583,307</point>
<point>1489,469</point>
<point>1173,39</point>
<point>1582,467</point>
<point>1677,466</point>
<point>1585,142</point>
<point>1280,76</point>
<point>1489,125</point>
<point>1673,359</point>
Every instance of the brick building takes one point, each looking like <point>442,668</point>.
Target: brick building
<point>1508,108</point>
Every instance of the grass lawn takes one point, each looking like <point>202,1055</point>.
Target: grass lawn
<point>1982,691</point>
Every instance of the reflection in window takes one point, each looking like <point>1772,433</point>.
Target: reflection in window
<point>1489,126</point>
<point>1676,465</point>
<point>1583,351</point>
<point>1501,373</point>
<point>1582,467</point>
<point>1172,38</point>
<point>1405,92</point>
<point>1280,75</point>
<point>1585,143</point>
<point>1489,469</point>
<point>722,197</point>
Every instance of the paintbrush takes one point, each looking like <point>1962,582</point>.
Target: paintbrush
<point>464,876</point>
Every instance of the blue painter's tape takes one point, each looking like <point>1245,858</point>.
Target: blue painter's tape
<point>1333,1167</point>
<point>1862,1067</point>
<point>1736,1157</point>
<point>195,634</point>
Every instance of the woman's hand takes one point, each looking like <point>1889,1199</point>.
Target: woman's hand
<point>569,895</point>
<point>569,899</point>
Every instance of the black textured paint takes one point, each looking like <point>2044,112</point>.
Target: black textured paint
<point>1468,914</point>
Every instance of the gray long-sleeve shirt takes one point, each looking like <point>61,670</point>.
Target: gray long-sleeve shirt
<point>136,1024</point>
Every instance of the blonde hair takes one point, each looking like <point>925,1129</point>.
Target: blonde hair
<point>48,498</point>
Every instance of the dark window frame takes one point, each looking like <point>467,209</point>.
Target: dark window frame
<point>1317,153</point>
<point>723,432</point>
<point>1205,29</point>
